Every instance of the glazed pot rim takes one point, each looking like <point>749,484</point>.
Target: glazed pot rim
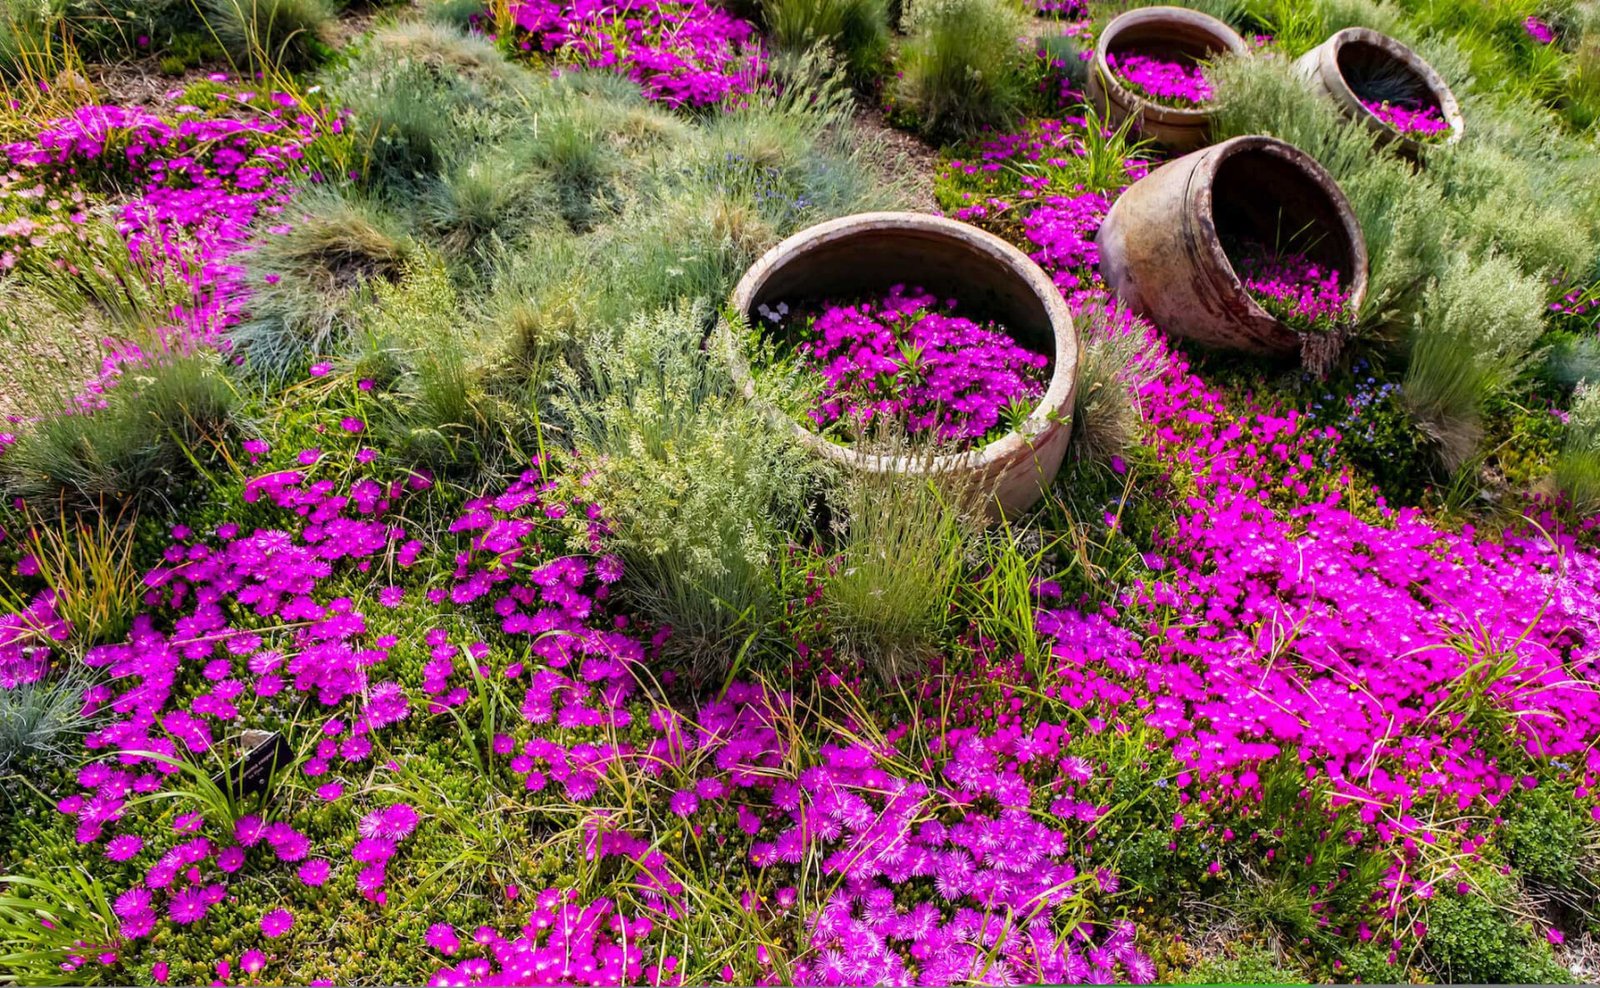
<point>1201,192</point>
<point>1227,37</point>
<point>1054,403</point>
<point>1402,52</point>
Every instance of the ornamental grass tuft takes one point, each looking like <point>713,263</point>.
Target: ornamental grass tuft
<point>309,273</point>
<point>1577,471</point>
<point>272,34</point>
<point>961,67</point>
<point>857,31</point>
<point>700,487</point>
<point>161,423</point>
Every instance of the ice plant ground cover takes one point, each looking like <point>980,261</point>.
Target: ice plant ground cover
<point>685,54</point>
<point>189,185</point>
<point>1421,122</point>
<point>908,363</point>
<point>1303,295</point>
<point>1162,80</point>
<point>586,674</point>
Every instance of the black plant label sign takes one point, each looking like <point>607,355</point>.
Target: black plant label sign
<point>252,774</point>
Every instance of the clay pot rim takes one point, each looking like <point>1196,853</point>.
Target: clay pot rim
<point>1054,404</point>
<point>1201,185</point>
<point>1229,40</point>
<point>1402,53</point>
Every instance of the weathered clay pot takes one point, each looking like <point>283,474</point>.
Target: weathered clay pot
<point>1173,32</point>
<point>870,252</point>
<point>1341,66</point>
<point>1161,245</point>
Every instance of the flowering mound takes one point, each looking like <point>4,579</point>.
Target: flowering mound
<point>1411,120</point>
<point>963,824</point>
<point>931,372</point>
<point>1162,80</point>
<point>683,54</point>
<point>190,183</point>
<point>1303,295</point>
<point>26,640</point>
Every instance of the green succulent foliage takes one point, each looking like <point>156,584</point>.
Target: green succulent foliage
<point>1248,967</point>
<point>1474,938</point>
<point>1547,837</point>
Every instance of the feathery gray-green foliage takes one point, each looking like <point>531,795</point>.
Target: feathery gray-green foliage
<point>1577,471</point>
<point>701,488</point>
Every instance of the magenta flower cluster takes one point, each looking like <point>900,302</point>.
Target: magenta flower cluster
<point>1422,122</point>
<point>201,180</point>
<point>1062,229</point>
<point>28,637</point>
<point>1019,170</point>
<point>1164,80</point>
<point>907,358</point>
<point>986,853</point>
<point>690,53</point>
<point>1302,294</point>
<point>1369,635</point>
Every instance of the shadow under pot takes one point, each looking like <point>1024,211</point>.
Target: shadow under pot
<point>1386,86</point>
<point>1147,66</point>
<point>1248,245</point>
<point>869,255</point>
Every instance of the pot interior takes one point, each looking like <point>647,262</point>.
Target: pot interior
<point>1175,41</point>
<point>1267,199</point>
<point>1376,75</point>
<point>872,260</point>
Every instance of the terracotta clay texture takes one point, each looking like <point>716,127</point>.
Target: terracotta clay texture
<point>1337,67</point>
<point>1161,246</point>
<point>1172,32</point>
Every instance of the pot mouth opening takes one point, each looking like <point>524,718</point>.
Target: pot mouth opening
<point>869,261</point>
<point>865,259</point>
<point>1375,74</point>
<point>1185,43</point>
<point>1266,204</point>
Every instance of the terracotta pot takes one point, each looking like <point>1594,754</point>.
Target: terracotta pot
<point>871,252</point>
<point>1161,245</point>
<point>1172,32</point>
<point>1341,67</point>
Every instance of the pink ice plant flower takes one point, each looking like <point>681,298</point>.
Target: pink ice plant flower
<point>1166,81</point>
<point>907,357</point>
<point>1423,122</point>
<point>1306,296</point>
<point>276,923</point>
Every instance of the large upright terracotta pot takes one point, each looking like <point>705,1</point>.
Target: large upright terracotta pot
<point>1344,67</point>
<point>990,279</point>
<point>1161,246</point>
<point>1172,32</point>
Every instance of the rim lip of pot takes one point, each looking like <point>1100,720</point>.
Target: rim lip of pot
<point>1228,40</point>
<point>1334,80</point>
<point>1053,407</point>
<point>1202,228</point>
